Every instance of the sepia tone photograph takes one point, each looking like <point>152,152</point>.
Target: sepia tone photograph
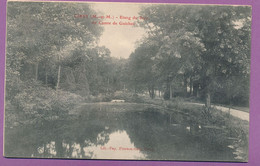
<point>127,81</point>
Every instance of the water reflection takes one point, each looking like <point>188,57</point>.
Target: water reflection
<point>119,146</point>
<point>106,134</point>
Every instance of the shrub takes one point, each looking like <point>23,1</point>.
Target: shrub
<point>44,101</point>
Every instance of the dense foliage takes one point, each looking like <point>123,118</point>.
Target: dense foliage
<point>51,56</point>
<point>205,49</point>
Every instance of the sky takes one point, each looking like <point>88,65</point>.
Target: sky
<point>119,39</point>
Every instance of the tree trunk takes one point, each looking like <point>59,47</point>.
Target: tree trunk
<point>153,94</point>
<point>185,87</point>
<point>135,86</point>
<point>45,153</point>
<point>70,149</point>
<point>191,86</point>
<point>36,70</point>
<point>59,148</point>
<point>208,102</point>
<point>171,91</point>
<point>151,91</point>
<point>58,78</point>
<point>229,97</point>
<point>195,89</point>
<point>107,85</point>
<point>197,92</point>
<point>46,75</point>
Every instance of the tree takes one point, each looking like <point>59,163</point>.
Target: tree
<point>142,69</point>
<point>41,38</point>
<point>201,42</point>
<point>227,46</point>
<point>48,30</point>
<point>178,48</point>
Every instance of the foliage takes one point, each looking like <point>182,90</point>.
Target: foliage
<point>142,70</point>
<point>47,53</point>
<point>53,41</point>
<point>207,45</point>
<point>40,101</point>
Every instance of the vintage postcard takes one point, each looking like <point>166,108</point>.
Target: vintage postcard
<point>127,81</point>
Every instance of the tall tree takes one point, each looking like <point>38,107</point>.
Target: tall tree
<point>205,42</point>
<point>142,68</point>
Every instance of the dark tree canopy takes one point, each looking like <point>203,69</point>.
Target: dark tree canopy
<point>208,44</point>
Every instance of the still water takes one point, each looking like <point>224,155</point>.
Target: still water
<point>95,133</point>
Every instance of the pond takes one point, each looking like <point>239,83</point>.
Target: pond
<point>97,133</point>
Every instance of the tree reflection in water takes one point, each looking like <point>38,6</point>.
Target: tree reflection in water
<point>107,134</point>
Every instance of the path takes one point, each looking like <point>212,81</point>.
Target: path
<point>234,112</point>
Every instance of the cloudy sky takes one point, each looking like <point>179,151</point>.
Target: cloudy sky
<point>120,39</point>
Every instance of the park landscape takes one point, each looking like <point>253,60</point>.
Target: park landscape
<point>181,93</point>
